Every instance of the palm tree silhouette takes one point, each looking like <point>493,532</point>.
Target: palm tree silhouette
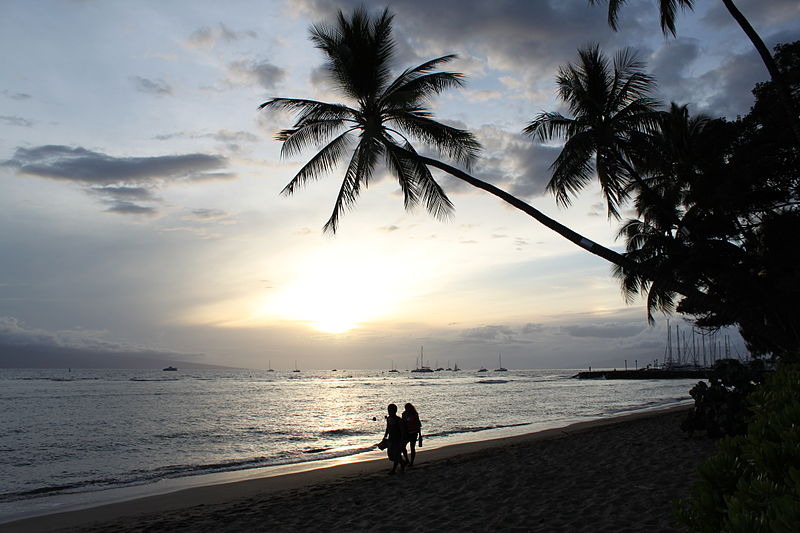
<point>384,118</point>
<point>668,10</point>
<point>610,102</point>
<point>385,115</point>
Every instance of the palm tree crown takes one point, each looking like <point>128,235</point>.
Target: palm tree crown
<point>384,117</point>
<point>609,102</point>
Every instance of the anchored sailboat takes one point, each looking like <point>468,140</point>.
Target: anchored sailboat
<point>421,366</point>
<point>500,362</point>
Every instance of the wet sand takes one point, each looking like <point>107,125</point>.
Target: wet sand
<point>619,474</point>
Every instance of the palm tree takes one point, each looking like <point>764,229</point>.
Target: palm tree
<point>383,118</point>
<point>668,10</point>
<point>611,106</point>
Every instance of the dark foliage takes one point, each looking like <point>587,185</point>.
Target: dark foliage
<point>720,407</point>
<point>752,484</point>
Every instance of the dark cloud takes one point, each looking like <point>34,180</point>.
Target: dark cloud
<point>116,180</point>
<point>22,346</point>
<point>758,13</point>
<point>16,96</point>
<point>489,333</point>
<point>157,87</point>
<point>514,161</point>
<point>14,120</point>
<point>84,166</point>
<point>612,330</point>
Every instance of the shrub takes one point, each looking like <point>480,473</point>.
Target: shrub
<point>752,484</point>
<point>720,407</point>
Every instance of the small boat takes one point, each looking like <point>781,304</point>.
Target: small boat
<point>500,361</point>
<point>170,369</point>
<point>295,367</point>
<point>421,367</point>
<point>455,368</point>
<point>482,369</point>
<point>393,368</point>
<point>270,367</point>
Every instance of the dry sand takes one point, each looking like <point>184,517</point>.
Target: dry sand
<point>615,475</point>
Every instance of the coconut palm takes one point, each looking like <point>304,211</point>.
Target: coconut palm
<point>610,103</point>
<point>384,116</point>
<point>668,10</point>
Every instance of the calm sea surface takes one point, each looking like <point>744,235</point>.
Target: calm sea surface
<point>83,433</point>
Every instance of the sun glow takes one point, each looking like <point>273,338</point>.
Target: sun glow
<point>337,292</point>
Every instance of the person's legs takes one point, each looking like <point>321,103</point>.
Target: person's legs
<point>413,453</point>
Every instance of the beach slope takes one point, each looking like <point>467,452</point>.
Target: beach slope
<point>619,474</point>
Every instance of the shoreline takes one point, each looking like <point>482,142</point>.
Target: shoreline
<point>202,499</point>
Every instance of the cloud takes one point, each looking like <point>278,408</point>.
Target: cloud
<point>120,182</point>
<point>25,346</point>
<point>16,96</point>
<point>158,87</point>
<point>514,161</point>
<point>14,120</point>
<point>489,333</point>
<point>249,72</point>
<point>206,38</point>
<point>612,330</point>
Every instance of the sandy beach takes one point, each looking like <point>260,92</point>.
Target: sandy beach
<point>619,474</point>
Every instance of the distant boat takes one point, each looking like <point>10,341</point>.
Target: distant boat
<point>500,361</point>
<point>455,368</point>
<point>295,367</point>
<point>421,367</point>
<point>270,367</point>
<point>393,368</point>
<point>170,369</point>
<point>482,369</point>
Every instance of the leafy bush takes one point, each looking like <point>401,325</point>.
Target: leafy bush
<point>720,408</point>
<point>752,484</point>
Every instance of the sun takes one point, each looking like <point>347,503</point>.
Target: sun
<point>338,292</point>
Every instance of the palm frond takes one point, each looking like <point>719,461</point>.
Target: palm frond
<point>412,73</point>
<point>358,173</point>
<point>572,169</point>
<point>324,161</point>
<point>295,140</point>
<point>436,201</point>
<point>458,144</point>
<point>547,126</point>
<point>420,88</point>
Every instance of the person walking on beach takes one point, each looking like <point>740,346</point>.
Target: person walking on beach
<point>413,429</point>
<point>395,436</point>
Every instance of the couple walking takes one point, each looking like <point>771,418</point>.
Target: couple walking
<point>402,430</point>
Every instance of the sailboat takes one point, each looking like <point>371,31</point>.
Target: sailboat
<point>421,366</point>
<point>500,362</point>
<point>393,368</point>
<point>270,369</point>
<point>482,369</point>
<point>455,368</point>
<point>295,366</point>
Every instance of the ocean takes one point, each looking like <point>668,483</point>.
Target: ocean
<point>83,437</point>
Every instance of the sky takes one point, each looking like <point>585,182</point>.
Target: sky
<point>141,210</point>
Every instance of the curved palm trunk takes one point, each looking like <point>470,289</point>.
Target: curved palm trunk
<point>777,78</point>
<point>574,237</point>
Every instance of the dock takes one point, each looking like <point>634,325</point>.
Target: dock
<point>646,373</point>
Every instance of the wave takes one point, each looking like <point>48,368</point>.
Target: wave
<point>153,379</point>
<point>492,381</point>
<point>475,429</point>
<point>344,432</point>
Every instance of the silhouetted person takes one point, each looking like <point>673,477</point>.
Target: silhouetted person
<point>396,437</point>
<point>414,430</point>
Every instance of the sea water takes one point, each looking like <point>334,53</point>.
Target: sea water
<point>82,433</point>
